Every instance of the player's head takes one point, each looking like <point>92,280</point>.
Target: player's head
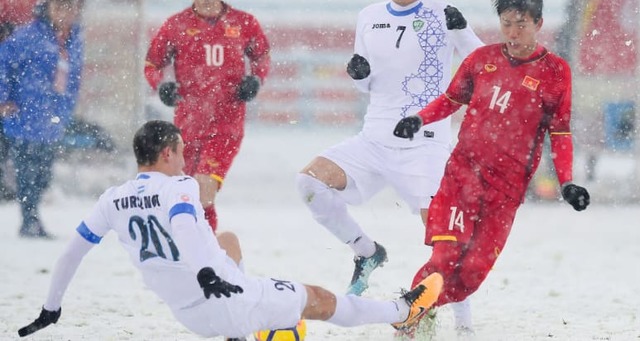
<point>207,8</point>
<point>62,14</point>
<point>159,141</point>
<point>520,21</point>
<point>531,7</point>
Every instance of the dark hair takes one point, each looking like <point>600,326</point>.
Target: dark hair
<point>533,7</point>
<point>6,28</point>
<point>40,10</point>
<point>152,138</point>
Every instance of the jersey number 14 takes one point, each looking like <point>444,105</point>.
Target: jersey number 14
<point>457,219</point>
<point>500,100</point>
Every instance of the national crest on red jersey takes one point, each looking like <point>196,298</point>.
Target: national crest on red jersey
<point>530,83</point>
<point>232,31</point>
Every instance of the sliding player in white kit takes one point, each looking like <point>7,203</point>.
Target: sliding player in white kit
<point>160,222</point>
<point>403,59</point>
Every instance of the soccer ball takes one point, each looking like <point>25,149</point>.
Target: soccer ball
<point>296,333</point>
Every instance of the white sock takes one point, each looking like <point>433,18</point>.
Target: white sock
<point>354,310</point>
<point>462,314</point>
<point>363,246</point>
<point>330,210</point>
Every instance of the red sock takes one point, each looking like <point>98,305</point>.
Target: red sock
<point>445,258</point>
<point>212,217</point>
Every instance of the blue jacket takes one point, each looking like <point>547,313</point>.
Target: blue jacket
<point>28,63</point>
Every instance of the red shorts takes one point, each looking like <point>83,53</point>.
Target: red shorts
<point>212,156</point>
<point>463,203</point>
<point>469,222</point>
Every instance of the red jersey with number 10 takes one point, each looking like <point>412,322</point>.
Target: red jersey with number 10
<point>512,103</point>
<point>208,55</point>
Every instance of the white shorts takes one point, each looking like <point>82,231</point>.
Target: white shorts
<point>265,303</point>
<point>414,173</point>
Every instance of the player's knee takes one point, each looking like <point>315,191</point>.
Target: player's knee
<point>321,303</point>
<point>445,257</point>
<point>229,242</point>
<point>472,274</point>
<point>308,187</point>
<point>314,193</point>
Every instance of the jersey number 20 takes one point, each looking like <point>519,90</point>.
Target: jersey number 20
<point>149,233</point>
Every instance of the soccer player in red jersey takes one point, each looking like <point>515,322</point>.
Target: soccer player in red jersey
<point>207,46</point>
<point>515,92</point>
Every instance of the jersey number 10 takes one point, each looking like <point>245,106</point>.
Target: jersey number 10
<point>214,54</point>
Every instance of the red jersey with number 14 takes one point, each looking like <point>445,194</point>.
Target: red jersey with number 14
<point>512,103</point>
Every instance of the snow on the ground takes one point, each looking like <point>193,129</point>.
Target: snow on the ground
<point>564,275</point>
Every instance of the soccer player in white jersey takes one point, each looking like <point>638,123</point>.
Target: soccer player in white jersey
<point>160,222</point>
<point>403,60</point>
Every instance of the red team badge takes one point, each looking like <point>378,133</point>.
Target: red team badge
<point>530,83</point>
<point>232,31</point>
<point>192,31</point>
<point>490,67</point>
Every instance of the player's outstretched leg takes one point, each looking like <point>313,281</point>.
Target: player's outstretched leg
<point>363,268</point>
<point>421,299</point>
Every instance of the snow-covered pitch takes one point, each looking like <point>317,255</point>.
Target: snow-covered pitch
<point>564,275</point>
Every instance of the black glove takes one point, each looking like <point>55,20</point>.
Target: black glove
<point>168,93</point>
<point>408,126</point>
<point>46,318</point>
<point>212,284</point>
<point>455,20</point>
<point>248,88</point>
<point>576,196</point>
<point>358,67</point>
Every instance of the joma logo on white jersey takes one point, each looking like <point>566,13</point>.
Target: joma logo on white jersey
<point>383,25</point>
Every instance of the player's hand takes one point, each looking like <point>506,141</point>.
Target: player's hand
<point>168,93</point>
<point>46,318</point>
<point>358,67</point>
<point>212,284</point>
<point>455,20</point>
<point>576,196</point>
<point>248,88</point>
<point>408,126</point>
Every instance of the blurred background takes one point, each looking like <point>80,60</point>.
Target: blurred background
<point>309,90</point>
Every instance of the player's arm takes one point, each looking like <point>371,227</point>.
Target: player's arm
<point>358,67</point>
<point>463,37</point>
<point>159,55</point>
<point>7,107</point>
<point>438,109</point>
<point>198,255</point>
<point>562,151</point>
<point>195,254</point>
<point>258,53</point>
<point>8,53</point>
<point>562,145</point>
<point>458,94</point>
<point>63,272</point>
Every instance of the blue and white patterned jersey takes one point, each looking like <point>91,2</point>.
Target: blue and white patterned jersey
<point>411,53</point>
